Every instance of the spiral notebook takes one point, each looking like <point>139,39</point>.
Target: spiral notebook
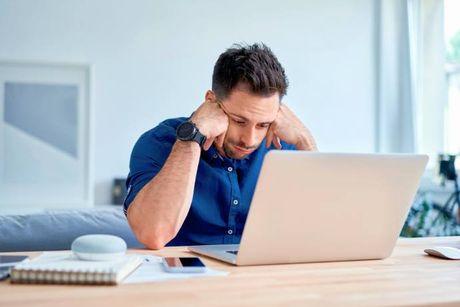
<point>65,268</point>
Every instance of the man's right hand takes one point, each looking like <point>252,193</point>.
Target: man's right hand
<point>212,122</point>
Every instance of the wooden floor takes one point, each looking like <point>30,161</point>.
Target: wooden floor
<point>408,277</point>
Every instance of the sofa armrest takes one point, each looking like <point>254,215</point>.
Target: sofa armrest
<point>56,229</point>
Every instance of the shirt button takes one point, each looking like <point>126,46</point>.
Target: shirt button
<point>230,169</point>
<point>230,231</point>
<point>235,201</point>
<point>214,156</point>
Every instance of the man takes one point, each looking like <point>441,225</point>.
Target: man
<point>191,180</point>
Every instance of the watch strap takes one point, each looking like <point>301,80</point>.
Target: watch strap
<point>199,137</point>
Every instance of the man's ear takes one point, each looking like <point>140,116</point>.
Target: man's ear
<point>210,96</point>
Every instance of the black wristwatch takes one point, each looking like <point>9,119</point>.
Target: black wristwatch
<point>188,131</point>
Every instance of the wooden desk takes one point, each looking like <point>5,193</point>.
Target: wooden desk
<point>407,278</point>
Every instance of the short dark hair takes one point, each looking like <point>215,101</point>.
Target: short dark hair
<point>253,65</point>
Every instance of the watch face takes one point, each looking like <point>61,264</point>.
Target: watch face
<point>185,131</point>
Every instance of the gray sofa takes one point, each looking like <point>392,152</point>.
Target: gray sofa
<point>56,229</point>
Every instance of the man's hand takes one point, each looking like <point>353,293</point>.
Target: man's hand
<point>212,122</point>
<point>288,128</point>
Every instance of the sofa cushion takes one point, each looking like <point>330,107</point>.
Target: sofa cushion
<point>56,229</point>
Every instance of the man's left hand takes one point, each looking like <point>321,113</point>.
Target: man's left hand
<point>288,128</point>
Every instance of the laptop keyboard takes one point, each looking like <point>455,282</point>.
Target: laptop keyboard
<point>233,252</point>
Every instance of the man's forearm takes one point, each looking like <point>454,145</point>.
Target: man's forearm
<point>159,209</point>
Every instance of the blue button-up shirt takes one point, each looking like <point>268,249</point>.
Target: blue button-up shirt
<point>223,188</point>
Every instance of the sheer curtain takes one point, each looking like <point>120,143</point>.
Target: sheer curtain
<point>411,84</point>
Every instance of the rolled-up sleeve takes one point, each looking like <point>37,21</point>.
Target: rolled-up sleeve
<point>147,158</point>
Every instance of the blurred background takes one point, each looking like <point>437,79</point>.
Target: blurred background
<point>80,81</point>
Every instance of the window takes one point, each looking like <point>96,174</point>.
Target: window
<point>434,32</point>
<point>452,67</point>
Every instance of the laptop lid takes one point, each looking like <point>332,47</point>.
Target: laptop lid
<point>313,207</point>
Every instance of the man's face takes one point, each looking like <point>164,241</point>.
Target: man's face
<point>249,117</point>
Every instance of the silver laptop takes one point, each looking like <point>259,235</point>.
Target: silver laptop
<point>315,207</point>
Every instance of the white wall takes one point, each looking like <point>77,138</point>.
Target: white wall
<point>153,60</point>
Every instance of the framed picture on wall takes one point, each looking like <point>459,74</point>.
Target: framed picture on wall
<point>44,135</point>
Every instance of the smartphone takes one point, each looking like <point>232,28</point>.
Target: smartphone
<point>183,265</point>
<point>7,262</point>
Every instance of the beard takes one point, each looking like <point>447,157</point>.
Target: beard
<point>232,153</point>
